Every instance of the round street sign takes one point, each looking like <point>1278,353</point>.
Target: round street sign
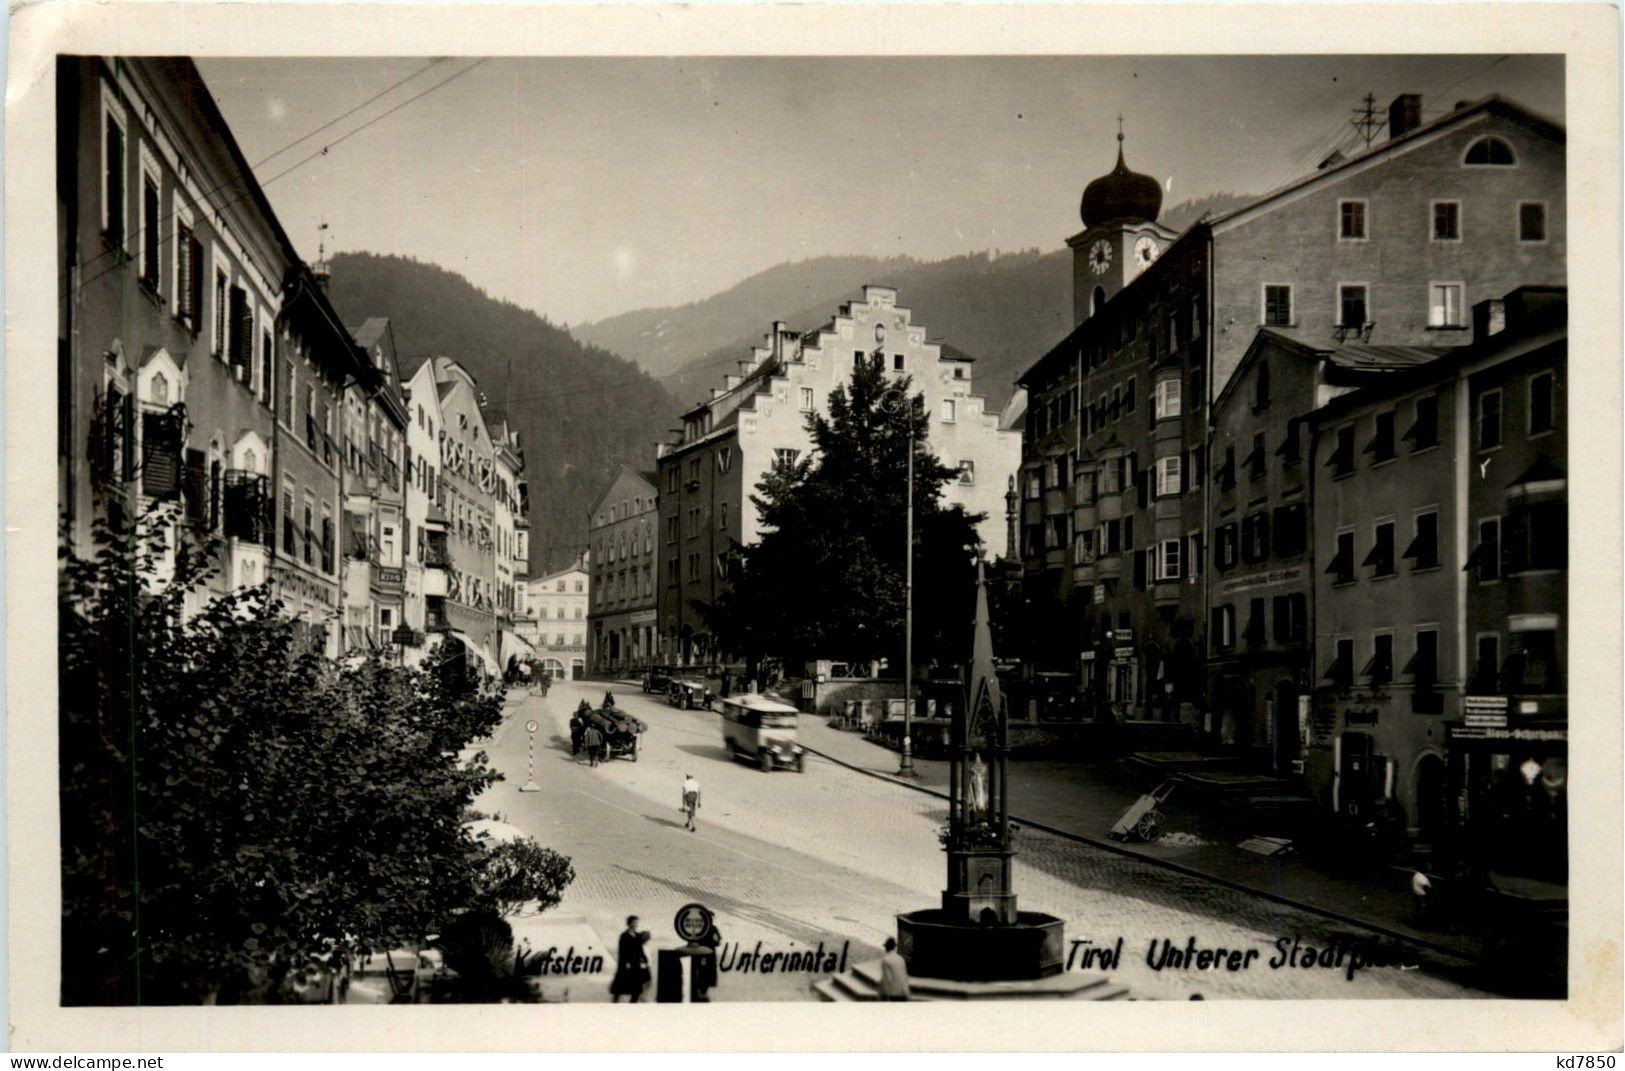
<point>530,726</point>
<point>693,922</point>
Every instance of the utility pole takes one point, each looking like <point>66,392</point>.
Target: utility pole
<point>905,766</point>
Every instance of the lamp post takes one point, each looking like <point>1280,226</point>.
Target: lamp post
<point>905,766</point>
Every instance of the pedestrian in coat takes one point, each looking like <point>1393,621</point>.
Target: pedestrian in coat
<point>632,965</point>
<point>893,973</point>
<point>592,740</point>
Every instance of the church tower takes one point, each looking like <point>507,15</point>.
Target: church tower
<point>1120,236</point>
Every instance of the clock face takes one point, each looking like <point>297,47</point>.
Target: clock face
<point>1100,256</point>
<point>1145,251</point>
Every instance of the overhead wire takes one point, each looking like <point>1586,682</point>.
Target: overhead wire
<point>164,239</point>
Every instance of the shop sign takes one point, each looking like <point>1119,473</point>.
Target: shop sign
<point>1122,654</point>
<point>1086,656</point>
<point>1486,711</point>
<point>1267,579</point>
<point>1360,716</point>
<point>1492,732</point>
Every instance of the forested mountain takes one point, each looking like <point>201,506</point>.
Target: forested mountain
<point>583,407</point>
<point>1004,309</point>
<point>581,411</point>
<point>664,340</point>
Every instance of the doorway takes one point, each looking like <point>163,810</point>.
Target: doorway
<point>1284,727</point>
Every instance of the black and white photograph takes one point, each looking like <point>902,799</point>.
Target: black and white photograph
<point>720,526</point>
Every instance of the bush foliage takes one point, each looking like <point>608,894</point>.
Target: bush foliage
<point>240,812</point>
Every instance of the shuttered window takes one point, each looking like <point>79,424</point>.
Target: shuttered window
<point>113,183</point>
<point>197,488</point>
<point>242,334</point>
<point>160,454</point>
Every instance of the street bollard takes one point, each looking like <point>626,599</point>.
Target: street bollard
<point>530,784</point>
<point>685,975</point>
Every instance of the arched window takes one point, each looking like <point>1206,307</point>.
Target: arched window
<point>160,389</point>
<point>1489,152</point>
<point>1099,301</point>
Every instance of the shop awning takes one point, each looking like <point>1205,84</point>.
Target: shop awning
<point>477,651</point>
<point>513,645</point>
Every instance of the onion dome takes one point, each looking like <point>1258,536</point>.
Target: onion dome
<point>1122,194</point>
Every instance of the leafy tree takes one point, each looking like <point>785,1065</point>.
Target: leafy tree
<point>826,579</point>
<point>516,872</point>
<point>239,811</point>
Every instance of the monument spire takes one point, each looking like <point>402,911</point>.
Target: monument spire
<point>984,678</point>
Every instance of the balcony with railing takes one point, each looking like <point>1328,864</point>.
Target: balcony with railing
<point>248,512</point>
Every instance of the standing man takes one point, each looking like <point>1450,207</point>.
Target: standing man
<point>592,740</point>
<point>632,966</point>
<point>893,973</point>
<point>691,799</point>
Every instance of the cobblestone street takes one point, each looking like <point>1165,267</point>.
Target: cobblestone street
<point>794,860</point>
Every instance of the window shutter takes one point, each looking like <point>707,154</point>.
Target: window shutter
<point>195,277</point>
<point>114,191</point>
<point>126,436</point>
<point>214,496</point>
<point>1514,543</point>
<point>196,488</point>
<point>160,455</point>
<point>183,274</point>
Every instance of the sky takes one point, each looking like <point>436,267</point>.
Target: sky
<point>582,188</point>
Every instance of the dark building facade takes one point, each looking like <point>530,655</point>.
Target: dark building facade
<point>199,365</point>
<point>1509,756</point>
<point>1440,524</point>
<point>1260,515</point>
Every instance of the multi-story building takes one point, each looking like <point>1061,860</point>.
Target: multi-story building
<point>1440,516</point>
<point>511,533</point>
<point>198,361</point>
<point>757,419</point>
<point>621,531</point>
<point>318,359</point>
<point>166,289</point>
<point>467,486</point>
<point>556,612</point>
<point>428,552</point>
<point>1387,248</point>
<point>375,524</point>
<point>1259,635</point>
<point>1509,757</point>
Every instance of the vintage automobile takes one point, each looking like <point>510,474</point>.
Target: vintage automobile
<point>688,688</point>
<point>761,730</point>
<point>657,679</point>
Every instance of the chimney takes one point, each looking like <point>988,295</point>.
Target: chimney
<point>778,339</point>
<point>1404,114</point>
